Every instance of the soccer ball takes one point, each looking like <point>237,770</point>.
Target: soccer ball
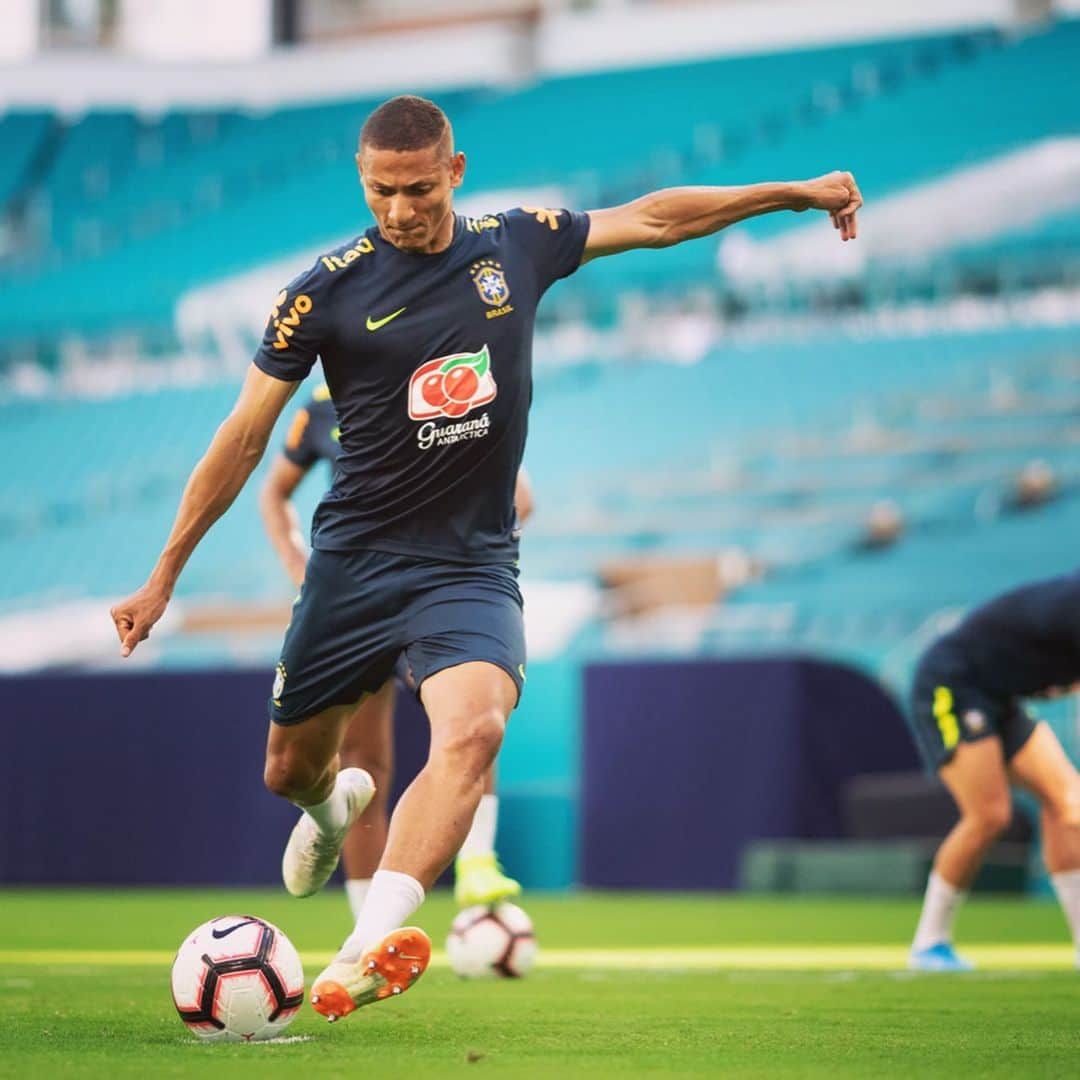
<point>491,942</point>
<point>237,979</point>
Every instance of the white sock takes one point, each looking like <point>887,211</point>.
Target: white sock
<point>481,838</point>
<point>332,814</point>
<point>391,899</point>
<point>940,905</point>
<point>356,889</point>
<point>1067,887</point>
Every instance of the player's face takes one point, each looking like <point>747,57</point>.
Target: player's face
<point>411,194</point>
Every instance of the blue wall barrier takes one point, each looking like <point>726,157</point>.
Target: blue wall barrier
<point>147,778</point>
<point>687,762</point>
<point>156,778</point>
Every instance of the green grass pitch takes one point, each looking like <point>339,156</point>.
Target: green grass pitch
<point>657,985</point>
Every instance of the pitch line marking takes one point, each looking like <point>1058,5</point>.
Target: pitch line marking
<point>1030,957</point>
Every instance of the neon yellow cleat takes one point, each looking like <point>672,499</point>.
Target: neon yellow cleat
<point>479,880</point>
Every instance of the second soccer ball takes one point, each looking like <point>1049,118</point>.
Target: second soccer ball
<point>491,942</point>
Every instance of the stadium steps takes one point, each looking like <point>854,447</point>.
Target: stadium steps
<point>617,493</point>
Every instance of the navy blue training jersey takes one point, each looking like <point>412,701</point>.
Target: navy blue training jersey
<point>314,435</point>
<point>1024,642</point>
<point>429,362</point>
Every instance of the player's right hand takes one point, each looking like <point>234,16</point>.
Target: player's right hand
<point>135,616</point>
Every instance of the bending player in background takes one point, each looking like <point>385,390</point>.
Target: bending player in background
<point>424,325</point>
<point>972,729</point>
<point>369,740</point>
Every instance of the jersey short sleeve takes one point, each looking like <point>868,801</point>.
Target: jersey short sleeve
<point>299,445</point>
<point>311,430</point>
<point>554,240</point>
<point>296,329</point>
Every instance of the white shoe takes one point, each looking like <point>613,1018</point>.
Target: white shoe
<point>311,855</point>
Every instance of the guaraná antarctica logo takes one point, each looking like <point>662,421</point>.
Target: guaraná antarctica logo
<point>451,386</point>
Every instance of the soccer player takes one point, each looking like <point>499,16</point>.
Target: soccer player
<point>368,743</point>
<point>972,729</point>
<point>424,325</point>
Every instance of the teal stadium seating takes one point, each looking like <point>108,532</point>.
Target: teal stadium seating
<point>778,449</point>
<point>131,212</point>
<point>22,134</point>
<point>764,457</point>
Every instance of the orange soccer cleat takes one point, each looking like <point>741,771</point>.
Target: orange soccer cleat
<point>385,970</point>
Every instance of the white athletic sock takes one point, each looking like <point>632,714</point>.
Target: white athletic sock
<point>332,814</point>
<point>1067,887</point>
<point>940,905</point>
<point>356,889</point>
<point>391,899</point>
<point>481,838</point>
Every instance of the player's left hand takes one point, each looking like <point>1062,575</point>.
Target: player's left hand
<point>837,193</point>
<point>135,616</point>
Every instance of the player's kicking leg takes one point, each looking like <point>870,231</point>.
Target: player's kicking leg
<point>478,877</point>
<point>1041,767</point>
<point>976,778</point>
<point>369,744</point>
<point>302,765</point>
<point>467,706</point>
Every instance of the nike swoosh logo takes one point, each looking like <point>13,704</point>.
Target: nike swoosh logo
<point>374,324</point>
<point>225,933</point>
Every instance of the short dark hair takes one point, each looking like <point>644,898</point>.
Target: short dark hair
<point>405,123</point>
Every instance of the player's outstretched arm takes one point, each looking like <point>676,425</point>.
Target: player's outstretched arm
<point>280,519</point>
<point>214,483</point>
<point>672,215</point>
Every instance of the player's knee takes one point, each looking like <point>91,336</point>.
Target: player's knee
<point>475,738</point>
<point>990,819</point>
<point>1066,807</point>
<point>290,775</point>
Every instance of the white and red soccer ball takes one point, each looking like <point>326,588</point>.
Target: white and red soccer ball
<point>491,942</point>
<point>237,979</point>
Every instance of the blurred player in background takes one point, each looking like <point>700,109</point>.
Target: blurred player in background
<point>424,325</point>
<point>972,729</point>
<point>314,436</point>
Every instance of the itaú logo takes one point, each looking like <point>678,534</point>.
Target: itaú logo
<point>451,385</point>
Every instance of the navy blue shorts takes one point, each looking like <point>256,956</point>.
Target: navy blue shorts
<point>948,708</point>
<point>359,611</point>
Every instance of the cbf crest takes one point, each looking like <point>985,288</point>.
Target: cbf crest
<point>490,281</point>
